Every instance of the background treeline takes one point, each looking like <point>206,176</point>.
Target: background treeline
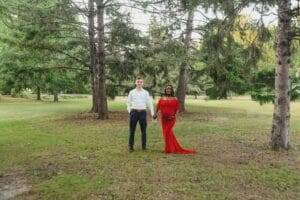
<point>45,47</point>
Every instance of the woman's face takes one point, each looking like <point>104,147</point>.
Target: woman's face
<point>168,90</point>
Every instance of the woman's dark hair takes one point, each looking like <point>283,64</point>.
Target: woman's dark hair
<point>172,92</point>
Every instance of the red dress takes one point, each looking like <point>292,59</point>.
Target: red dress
<point>168,109</point>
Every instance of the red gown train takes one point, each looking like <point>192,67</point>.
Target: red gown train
<point>168,109</point>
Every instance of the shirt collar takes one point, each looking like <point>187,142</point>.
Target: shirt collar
<point>142,90</point>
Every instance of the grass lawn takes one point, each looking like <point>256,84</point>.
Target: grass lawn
<point>59,151</point>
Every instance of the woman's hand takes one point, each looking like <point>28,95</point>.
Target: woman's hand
<point>171,117</point>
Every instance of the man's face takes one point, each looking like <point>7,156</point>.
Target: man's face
<point>139,83</point>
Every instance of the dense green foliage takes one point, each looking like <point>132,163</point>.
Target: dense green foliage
<point>41,46</point>
<point>46,50</point>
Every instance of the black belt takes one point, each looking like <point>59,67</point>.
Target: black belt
<point>137,110</point>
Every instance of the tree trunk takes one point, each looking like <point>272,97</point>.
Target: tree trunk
<point>281,114</point>
<point>38,93</point>
<point>102,99</point>
<point>94,108</point>
<point>183,76</point>
<point>92,48</point>
<point>55,99</point>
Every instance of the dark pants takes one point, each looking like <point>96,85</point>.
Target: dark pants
<point>140,117</point>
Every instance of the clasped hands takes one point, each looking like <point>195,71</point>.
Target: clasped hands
<point>154,116</point>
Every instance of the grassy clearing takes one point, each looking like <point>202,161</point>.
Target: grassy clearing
<point>63,153</point>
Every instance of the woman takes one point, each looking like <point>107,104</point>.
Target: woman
<point>168,107</point>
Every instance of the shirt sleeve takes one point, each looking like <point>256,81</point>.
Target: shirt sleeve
<point>129,102</point>
<point>150,104</point>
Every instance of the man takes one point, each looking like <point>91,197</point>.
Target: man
<point>137,102</point>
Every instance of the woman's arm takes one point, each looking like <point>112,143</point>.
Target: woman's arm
<point>176,114</point>
<point>156,111</point>
<point>177,108</point>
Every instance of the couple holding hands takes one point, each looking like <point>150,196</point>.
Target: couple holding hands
<point>168,106</point>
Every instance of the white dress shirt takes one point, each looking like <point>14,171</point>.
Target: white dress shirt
<point>139,99</point>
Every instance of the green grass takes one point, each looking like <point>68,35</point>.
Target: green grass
<point>64,153</point>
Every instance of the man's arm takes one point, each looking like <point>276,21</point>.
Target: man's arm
<point>156,112</point>
<point>129,102</point>
<point>150,104</point>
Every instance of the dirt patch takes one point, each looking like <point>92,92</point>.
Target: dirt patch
<point>122,117</point>
<point>234,152</point>
<point>13,185</point>
<point>203,117</point>
<point>47,170</point>
<point>83,118</point>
